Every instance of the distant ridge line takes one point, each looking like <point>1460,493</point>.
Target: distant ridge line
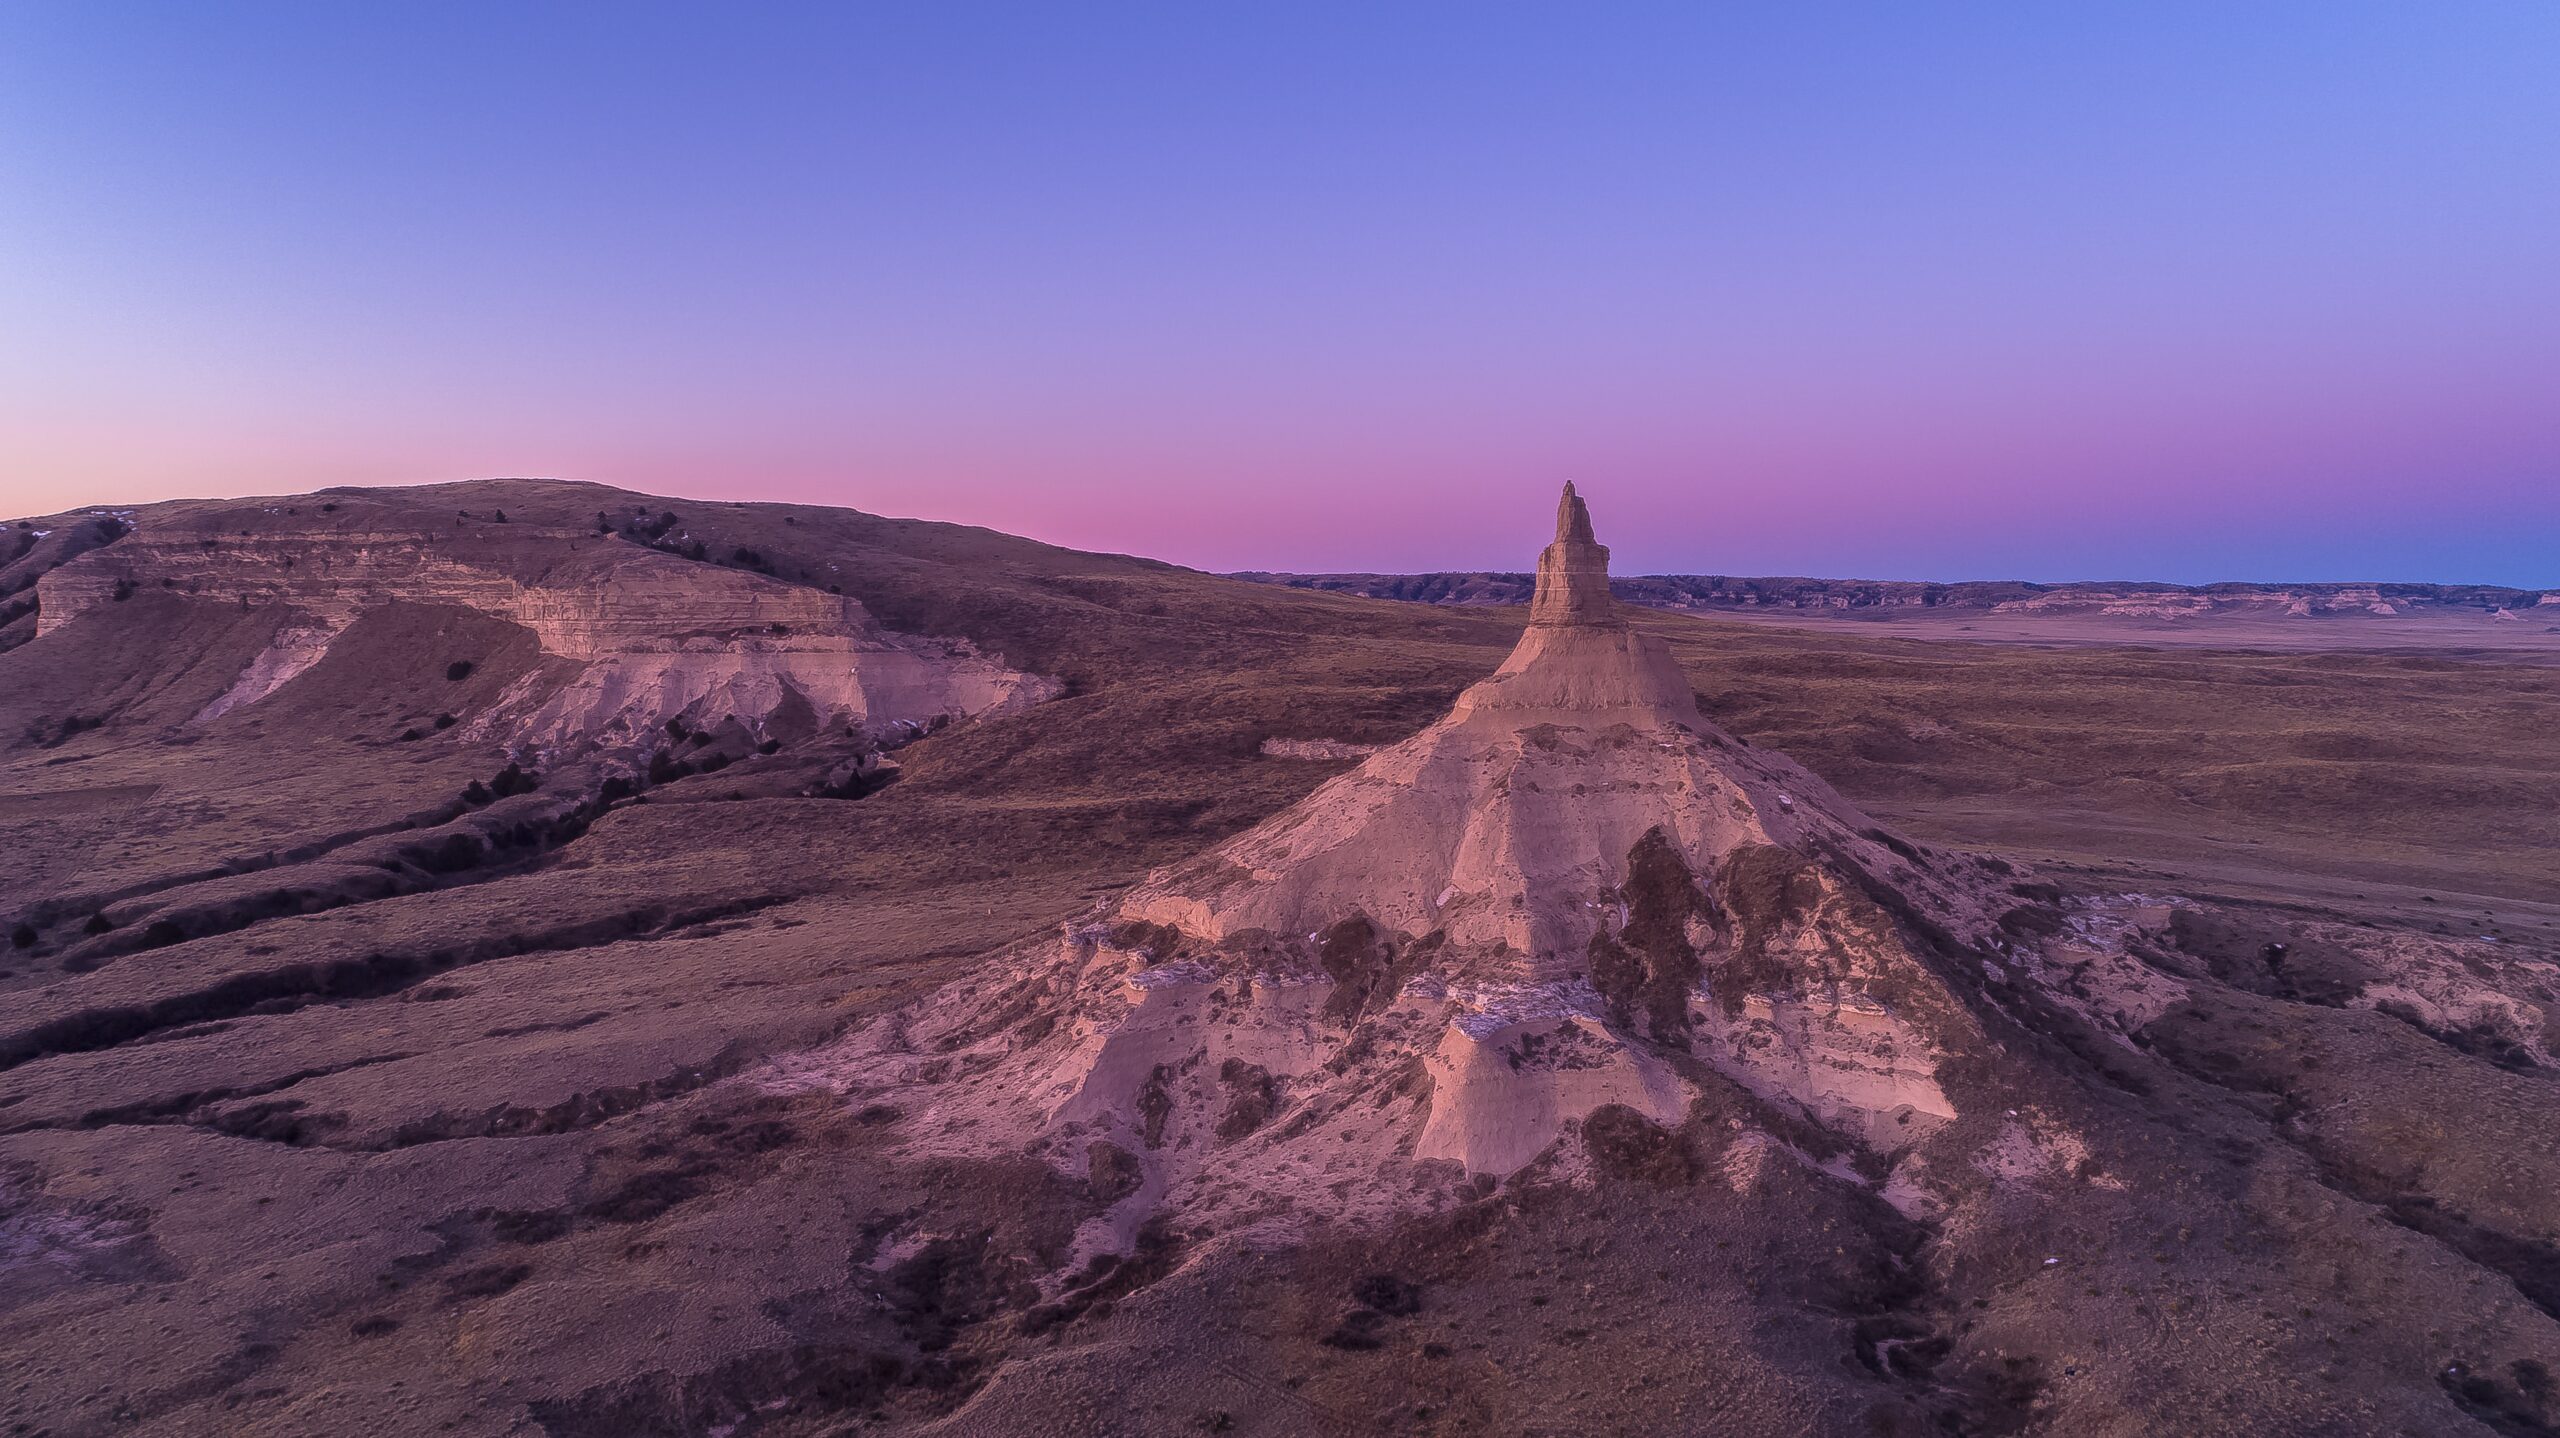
<point>1693,592</point>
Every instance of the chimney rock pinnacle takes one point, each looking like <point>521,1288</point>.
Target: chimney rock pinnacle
<point>1573,572</point>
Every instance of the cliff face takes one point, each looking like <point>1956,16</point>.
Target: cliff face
<point>30,549</point>
<point>632,636</point>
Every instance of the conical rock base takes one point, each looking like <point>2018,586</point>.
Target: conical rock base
<point>1572,901</point>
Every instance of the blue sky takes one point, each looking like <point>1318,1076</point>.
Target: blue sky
<point>1948,291</point>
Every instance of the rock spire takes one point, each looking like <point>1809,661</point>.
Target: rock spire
<point>1571,894</point>
<point>1573,572</point>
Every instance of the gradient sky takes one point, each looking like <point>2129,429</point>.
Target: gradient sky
<point>2056,290</point>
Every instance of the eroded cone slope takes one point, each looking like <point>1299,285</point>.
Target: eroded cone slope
<point>1572,893</point>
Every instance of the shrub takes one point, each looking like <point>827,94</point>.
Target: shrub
<point>162,933</point>
<point>498,518</point>
<point>444,721</point>
<point>666,768</point>
<point>456,853</point>
<point>476,793</point>
<point>122,592</point>
<point>1388,1294</point>
<point>97,924</point>
<point>514,780</point>
<point>23,936</point>
<point>459,670</point>
<point>408,735</point>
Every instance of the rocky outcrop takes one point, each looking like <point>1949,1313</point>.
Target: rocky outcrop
<point>1573,573</point>
<point>1571,894</point>
<point>632,636</point>
<point>34,548</point>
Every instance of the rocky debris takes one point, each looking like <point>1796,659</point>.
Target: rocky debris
<point>852,778</point>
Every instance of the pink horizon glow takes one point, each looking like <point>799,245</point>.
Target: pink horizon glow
<point>2259,294</point>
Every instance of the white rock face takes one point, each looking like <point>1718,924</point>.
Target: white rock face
<point>1839,1055</point>
<point>859,676</point>
<point>296,647</point>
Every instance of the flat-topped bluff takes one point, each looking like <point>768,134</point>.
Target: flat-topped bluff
<point>634,631</point>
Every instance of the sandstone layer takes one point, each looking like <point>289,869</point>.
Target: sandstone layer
<point>633,635</point>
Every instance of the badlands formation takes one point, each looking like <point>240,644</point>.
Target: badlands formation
<point>630,635</point>
<point>471,966</point>
<point>1534,934</point>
